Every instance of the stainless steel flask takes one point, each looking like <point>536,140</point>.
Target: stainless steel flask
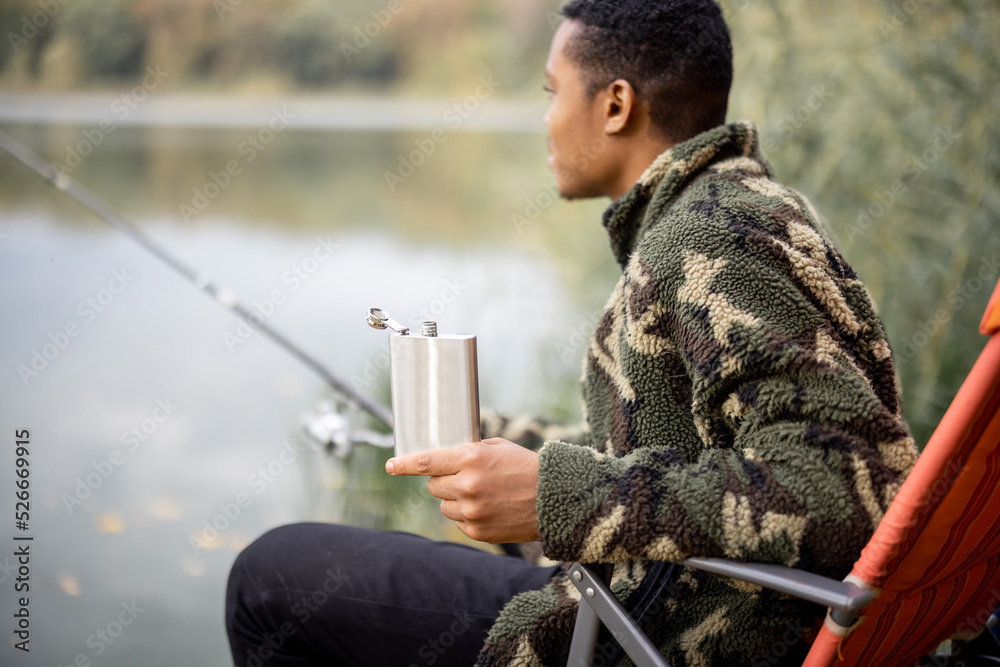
<point>435,386</point>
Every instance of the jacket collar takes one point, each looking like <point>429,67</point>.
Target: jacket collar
<point>629,216</point>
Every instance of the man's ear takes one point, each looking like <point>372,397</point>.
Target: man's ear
<point>620,106</point>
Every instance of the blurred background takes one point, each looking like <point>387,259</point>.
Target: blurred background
<point>319,158</point>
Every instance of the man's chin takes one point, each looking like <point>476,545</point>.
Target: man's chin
<point>572,192</point>
<point>563,185</point>
<point>571,187</point>
<point>565,194</point>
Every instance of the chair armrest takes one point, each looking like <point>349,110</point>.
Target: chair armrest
<point>843,597</point>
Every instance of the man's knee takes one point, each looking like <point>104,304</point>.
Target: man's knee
<point>267,561</point>
<point>259,556</point>
<point>261,562</point>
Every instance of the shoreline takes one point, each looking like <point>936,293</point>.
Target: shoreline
<point>311,112</point>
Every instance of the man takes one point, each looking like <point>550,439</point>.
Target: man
<point>739,399</point>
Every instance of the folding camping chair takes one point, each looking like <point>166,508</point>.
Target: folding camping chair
<point>930,572</point>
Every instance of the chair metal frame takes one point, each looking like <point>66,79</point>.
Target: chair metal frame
<point>845,600</point>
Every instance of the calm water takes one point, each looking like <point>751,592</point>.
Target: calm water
<point>147,421</point>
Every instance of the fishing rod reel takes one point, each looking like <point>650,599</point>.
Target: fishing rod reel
<point>328,427</point>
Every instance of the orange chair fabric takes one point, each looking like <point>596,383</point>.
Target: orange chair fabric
<point>936,553</point>
<point>991,320</point>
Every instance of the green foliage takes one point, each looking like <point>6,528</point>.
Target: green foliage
<point>314,44</point>
<point>305,50</point>
<point>110,42</point>
<point>25,28</point>
<point>318,46</point>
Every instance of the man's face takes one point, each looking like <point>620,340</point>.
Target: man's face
<point>575,121</point>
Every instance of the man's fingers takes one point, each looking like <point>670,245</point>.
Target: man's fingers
<point>433,463</point>
<point>443,487</point>
<point>450,509</point>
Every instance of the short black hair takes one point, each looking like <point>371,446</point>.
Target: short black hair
<point>676,54</point>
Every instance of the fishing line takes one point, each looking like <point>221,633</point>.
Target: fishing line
<point>224,297</point>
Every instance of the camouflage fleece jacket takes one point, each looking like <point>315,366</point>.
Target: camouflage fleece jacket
<point>739,401</point>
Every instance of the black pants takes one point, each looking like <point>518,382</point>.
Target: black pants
<point>322,594</point>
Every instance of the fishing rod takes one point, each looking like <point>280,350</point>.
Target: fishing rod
<point>224,297</point>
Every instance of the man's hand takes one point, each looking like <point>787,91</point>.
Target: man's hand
<point>488,488</point>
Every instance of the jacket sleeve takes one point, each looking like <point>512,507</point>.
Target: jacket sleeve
<point>754,415</point>
<point>530,432</point>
